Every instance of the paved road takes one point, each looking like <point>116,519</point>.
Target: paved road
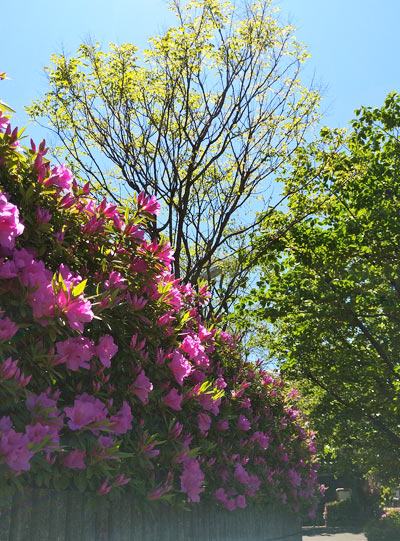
<point>335,537</point>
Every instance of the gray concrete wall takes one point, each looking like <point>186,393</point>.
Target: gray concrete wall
<point>47,515</point>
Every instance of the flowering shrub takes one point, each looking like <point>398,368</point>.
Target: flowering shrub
<point>109,378</point>
<point>386,528</point>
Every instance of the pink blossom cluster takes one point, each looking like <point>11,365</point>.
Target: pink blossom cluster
<point>113,369</point>
<point>10,225</point>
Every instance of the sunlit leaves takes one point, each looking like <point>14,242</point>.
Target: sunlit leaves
<point>329,295</point>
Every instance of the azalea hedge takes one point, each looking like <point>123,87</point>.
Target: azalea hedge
<point>110,380</point>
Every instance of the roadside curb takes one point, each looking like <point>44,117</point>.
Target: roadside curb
<point>325,530</point>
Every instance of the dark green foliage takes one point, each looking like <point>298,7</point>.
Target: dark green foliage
<point>343,514</point>
<point>328,297</point>
<point>387,528</point>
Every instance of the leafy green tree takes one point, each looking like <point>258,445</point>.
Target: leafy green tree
<point>202,121</point>
<point>329,295</point>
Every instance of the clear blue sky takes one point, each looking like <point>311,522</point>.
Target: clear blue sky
<point>354,44</point>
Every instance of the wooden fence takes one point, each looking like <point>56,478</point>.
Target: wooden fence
<point>48,515</point>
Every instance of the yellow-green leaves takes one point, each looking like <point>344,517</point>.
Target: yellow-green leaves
<point>203,121</point>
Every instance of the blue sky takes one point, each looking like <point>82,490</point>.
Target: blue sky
<point>354,44</point>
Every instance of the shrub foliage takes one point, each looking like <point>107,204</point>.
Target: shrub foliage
<point>386,528</point>
<point>110,380</point>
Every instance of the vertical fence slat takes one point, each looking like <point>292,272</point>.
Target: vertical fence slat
<point>126,519</point>
<point>88,524</point>
<point>58,511</point>
<point>102,521</point>
<point>47,515</point>
<point>74,523</point>
<point>39,500</point>
<point>5,517</point>
<point>20,518</point>
<point>120,520</point>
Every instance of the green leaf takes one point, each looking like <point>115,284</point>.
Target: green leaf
<point>6,108</point>
<point>78,290</point>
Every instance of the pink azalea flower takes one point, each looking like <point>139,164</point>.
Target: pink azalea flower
<point>74,460</point>
<point>86,410</point>
<point>195,349</point>
<point>164,252</point>
<point>115,281</point>
<point>157,493</point>
<point>174,298</point>
<point>8,368</point>
<point>122,420</point>
<point>294,477</point>
<point>93,225</point>
<point>166,318</point>
<point>8,269</point>
<point>105,442</point>
<point>241,474</point>
<point>176,430</point>
<point>204,334</point>
<point>166,255</point>
<point>121,480</point>
<point>75,352</point>
<point>225,337</point>
<point>23,258</point>
<point>137,345</point>
<point>208,403</point>
<point>105,487</point>
<point>180,366</point>
<point>220,383</point>
<point>192,479</point>
<point>253,485</point>
<point>7,328</point>
<point>243,423</point>
<point>221,495</point>
<point>14,450</point>
<point>141,387</point>
<point>4,122</point>
<point>222,425</point>
<point>60,235</point>
<point>42,301</point>
<point>43,215</point>
<point>106,350</point>
<point>34,273</point>
<point>61,177</point>
<point>138,266</point>
<point>148,204</point>
<point>38,432</point>
<point>204,422</point>
<point>173,400</point>
<point>78,312</point>
<point>10,226</point>
<point>44,407</point>
<point>262,439</point>
<point>137,303</point>
<point>5,423</point>
<point>230,505</point>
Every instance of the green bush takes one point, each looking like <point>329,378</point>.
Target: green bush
<point>343,513</point>
<point>386,528</point>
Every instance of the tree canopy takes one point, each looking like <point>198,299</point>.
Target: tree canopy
<point>203,121</point>
<point>329,294</point>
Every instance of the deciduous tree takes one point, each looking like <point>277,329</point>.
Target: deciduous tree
<point>329,296</point>
<point>203,121</point>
